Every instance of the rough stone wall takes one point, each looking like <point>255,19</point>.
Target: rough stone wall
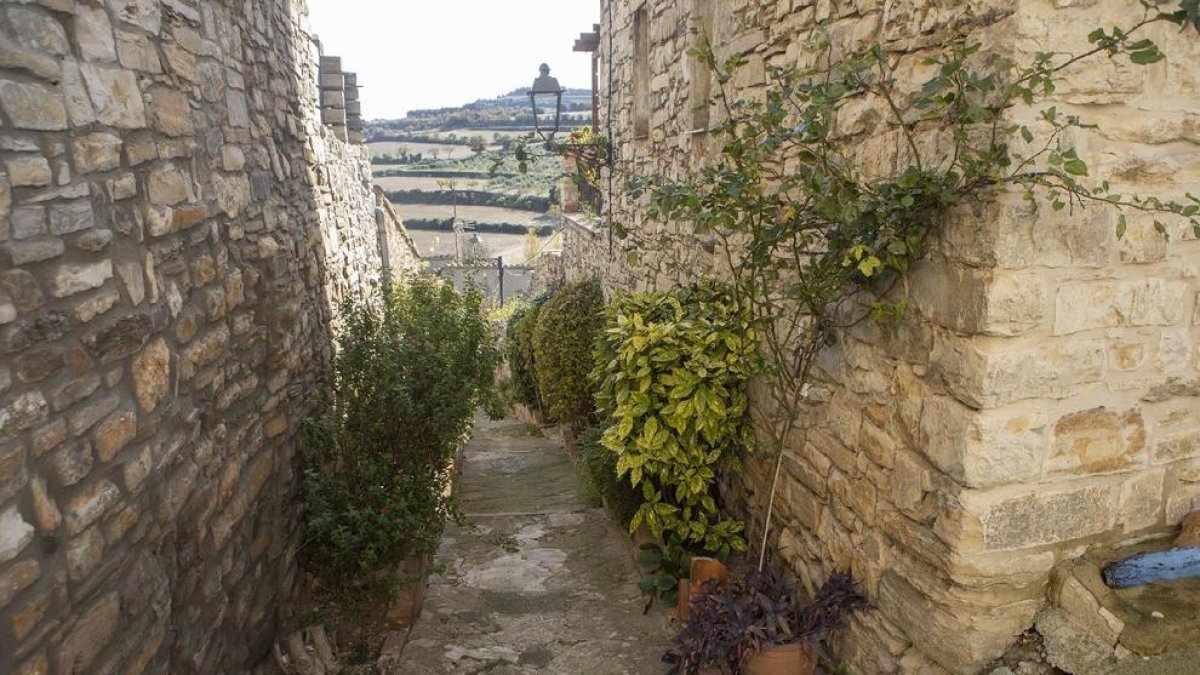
<point>400,256</point>
<point>1040,396</point>
<point>175,227</point>
<point>584,248</point>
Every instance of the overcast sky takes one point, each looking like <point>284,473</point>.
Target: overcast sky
<point>413,54</point>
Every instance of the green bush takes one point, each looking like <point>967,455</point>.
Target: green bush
<point>622,500</point>
<point>411,368</point>
<point>562,348</point>
<point>518,342</point>
<point>672,372</point>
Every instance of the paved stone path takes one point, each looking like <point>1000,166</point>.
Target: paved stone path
<point>540,581</point>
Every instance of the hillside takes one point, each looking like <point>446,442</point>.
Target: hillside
<point>450,163</point>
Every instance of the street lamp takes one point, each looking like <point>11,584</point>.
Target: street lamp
<point>545,89</point>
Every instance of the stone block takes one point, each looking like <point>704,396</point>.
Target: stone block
<point>983,448</point>
<point>115,96</point>
<point>146,14</point>
<point>21,412</point>
<point>1071,646</point>
<point>90,634</point>
<point>34,250</point>
<point>181,62</point>
<point>114,434</point>
<point>45,511</point>
<point>171,111</point>
<point>119,339</point>
<point>84,553</point>
<point>15,534</point>
<point>72,216</point>
<point>1181,490</point>
<point>28,221</point>
<point>93,241</point>
<point>17,578</point>
<point>1096,441</point>
<point>39,363</point>
<point>70,278</point>
<point>96,304</point>
<point>33,106</point>
<point>1048,515</point>
<point>89,504</point>
<point>47,438</point>
<point>94,34</point>
<point>86,416</point>
<point>70,463</point>
<point>203,351</point>
<point>166,185</point>
<point>1142,500</point>
<point>13,475</point>
<point>1177,446</point>
<point>235,101</point>
<point>987,375</point>
<point>28,171</point>
<point>1108,304</point>
<point>232,192</point>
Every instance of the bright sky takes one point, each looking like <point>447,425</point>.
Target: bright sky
<point>413,54</point>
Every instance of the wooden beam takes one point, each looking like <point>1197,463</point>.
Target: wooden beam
<point>1145,568</point>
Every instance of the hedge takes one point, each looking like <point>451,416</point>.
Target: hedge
<point>534,203</point>
<point>518,344</point>
<point>566,329</point>
<point>620,497</point>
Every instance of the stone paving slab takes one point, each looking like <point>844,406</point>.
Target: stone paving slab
<point>540,581</point>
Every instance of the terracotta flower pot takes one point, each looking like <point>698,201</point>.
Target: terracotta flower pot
<point>704,569</point>
<point>793,659</point>
<point>685,601</point>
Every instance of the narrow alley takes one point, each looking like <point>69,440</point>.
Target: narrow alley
<point>539,580</point>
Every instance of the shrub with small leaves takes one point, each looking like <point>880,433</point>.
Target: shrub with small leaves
<point>566,328</point>
<point>518,350</point>
<point>622,500</point>
<point>411,368</point>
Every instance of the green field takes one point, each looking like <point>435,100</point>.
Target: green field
<point>427,150</point>
<point>482,214</point>
<point>426,183</point>
<point>511,246</point>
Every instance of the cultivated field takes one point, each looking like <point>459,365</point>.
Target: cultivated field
<point>479,214</point>
<point>427,150</point>
<point>487,134</point>
<point>511,246</point>
<point>425,183</point>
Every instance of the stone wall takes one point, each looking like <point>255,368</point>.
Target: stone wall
<point>584,247</point>
<point>1041,395</point>
<point>175,227</point>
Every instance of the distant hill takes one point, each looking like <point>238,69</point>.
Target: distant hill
<point>509,111</point>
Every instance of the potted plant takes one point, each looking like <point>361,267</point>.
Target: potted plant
<point>665,573</point>
<point>756,624</point>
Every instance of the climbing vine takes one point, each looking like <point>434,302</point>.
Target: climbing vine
<point>810,228</point>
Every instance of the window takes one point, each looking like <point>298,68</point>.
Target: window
<point>641,73</point>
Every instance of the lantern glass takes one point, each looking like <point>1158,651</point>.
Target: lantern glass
<point>545,93</point>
